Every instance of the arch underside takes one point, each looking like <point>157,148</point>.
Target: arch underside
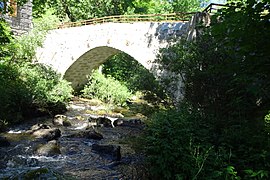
<point>83,66</point>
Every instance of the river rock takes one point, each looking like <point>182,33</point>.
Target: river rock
<point>38,127</point>
<point>113,151</point>
<point>51,148</point>
<point>47,134</point>
<point>66,123</point>
<point>61,120</point>
<point>4,142</point>
<point>102,121</point>
<point>89,134</point>
<point>130,122</point>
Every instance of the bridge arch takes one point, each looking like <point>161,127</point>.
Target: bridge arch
<point>92,59</point>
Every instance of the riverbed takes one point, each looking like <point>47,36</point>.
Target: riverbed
<point>77,159</point>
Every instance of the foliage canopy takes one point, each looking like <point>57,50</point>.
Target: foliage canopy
<point>86,9</point>
<point>227,84</point>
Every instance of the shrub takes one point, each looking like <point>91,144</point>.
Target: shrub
<point>5,41</point>
<point>27,44</point>
<point>28,88</point>
<point>177,145</point>
<point>45,85</point>
<point>14,94</point>
<point>106,89</point>
<point>132,74</point>
<point>183,144</point>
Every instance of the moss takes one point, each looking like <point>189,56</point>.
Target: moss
<point>18,137</point>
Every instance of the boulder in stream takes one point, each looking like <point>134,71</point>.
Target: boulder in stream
<point>129,122</point>
<point>51,148</point>
<point>102,121</point>
<point>38,127</point>
<point>47,134</point>
<point>61,120</point>
<point>113,151</point>
<point>88,134</point>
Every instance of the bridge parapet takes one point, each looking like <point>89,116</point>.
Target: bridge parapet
<point>172,17</point>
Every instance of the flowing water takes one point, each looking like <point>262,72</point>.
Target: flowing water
<point>77,159</point>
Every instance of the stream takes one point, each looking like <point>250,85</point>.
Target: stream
<point>88,147</point>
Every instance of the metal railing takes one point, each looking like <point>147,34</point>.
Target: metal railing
<point>213,7</point>
<point>172,17</point>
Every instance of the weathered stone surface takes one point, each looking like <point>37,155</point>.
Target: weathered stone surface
<point>66,123</point>
<point>128,122</point>
<point>89,134</point>
<point>22,22</point>
<point>47,134</point>
<point>38,127</point>
<point>58,119</point>
<point>44,131</point>
<point>51,148</point>
<point>112,151</point>
<point>102,121</point>
<point>61,120</point>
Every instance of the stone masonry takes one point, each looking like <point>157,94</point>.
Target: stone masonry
<point>74,52</point>
<point>22,22</point>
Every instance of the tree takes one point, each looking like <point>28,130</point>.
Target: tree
<point>5,40</point>
<point>226,70</point>
<point>85,9</point>
<point>82,9</point>
<point>185,5</point>
<point>151,7</point>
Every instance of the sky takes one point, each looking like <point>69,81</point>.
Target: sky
<point>214,1</point>
<point>218,1</point>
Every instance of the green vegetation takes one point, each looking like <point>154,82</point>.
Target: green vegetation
<point>180,138</point>
<point>223,131</point>
<point>76,10</point>
<point>106,89</point>
<point>133,75</point>
<point>122,77</point>
<point>28,89</point>
<point>24,46</point>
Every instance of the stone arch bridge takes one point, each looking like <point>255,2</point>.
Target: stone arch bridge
<point>75,51</point>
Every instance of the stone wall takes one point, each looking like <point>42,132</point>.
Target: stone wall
<point>21,23</point>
